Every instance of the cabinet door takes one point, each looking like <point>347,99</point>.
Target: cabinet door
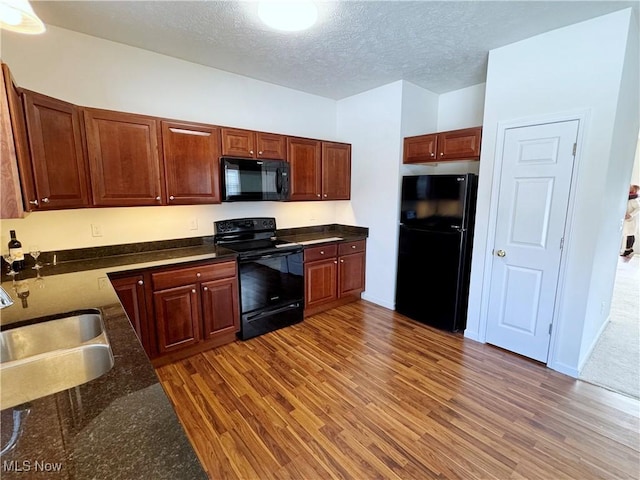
<point>123,158</point>
<point>460,144</point>
<point>304,155</point>
<point>351,270</point>
<point>177,317</point>
<point>130,291</point>
<point>320,282</point>
<point>57,154</point>
<point>271,146</point>
<point>336,171</point>
<point>17,186</point>
<point>191,163</point>
<point>238,143</point>
<point>420,149</point>
<point>220,310</point>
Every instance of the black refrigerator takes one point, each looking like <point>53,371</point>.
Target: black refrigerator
<point>437,214</point>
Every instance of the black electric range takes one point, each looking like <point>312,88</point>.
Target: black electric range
<point>271,274</point>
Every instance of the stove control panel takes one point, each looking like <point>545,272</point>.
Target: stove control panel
<point>245,225</point>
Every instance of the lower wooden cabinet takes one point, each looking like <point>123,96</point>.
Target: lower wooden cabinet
<point>130,290</point>
<point>334,275</point>
<point>178,311</point>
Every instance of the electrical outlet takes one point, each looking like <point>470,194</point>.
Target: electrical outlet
<point>96,230</point>
<point>102,283</point>
<point>193,224</point>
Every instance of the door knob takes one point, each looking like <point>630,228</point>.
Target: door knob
<point>501,253</point>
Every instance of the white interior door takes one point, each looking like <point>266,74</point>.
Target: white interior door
<point>537,166</point>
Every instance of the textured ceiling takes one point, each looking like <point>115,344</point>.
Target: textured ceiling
<point>357,45</point>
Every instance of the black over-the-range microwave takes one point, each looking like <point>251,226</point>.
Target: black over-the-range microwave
<point>245,179</point>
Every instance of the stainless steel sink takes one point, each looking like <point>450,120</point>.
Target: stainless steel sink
<point>48,357</point>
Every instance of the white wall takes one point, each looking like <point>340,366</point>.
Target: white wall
<point>372,123</point>
<point>94,72</point>
<point>573,69</point>
<point>462,108</point>
<point>614,202</point>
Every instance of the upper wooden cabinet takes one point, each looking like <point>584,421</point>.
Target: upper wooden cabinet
<point>14,151</point>
<point>249,144</point>
<point>420,149</point>
<point>58,159</point>
<point>460,144</point>
<point>319,170</point>
<point>453,145</point>
<point>336,171</point>
<point>191,154</point>
<point>305,156</point>
<point>124,159</point>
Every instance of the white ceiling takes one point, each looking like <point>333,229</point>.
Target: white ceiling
<point>357,45</point>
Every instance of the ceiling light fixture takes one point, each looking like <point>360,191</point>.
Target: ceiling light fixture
<point>18,16</point>
<point>289,16</point>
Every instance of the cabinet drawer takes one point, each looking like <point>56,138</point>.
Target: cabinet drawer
<point>351,247</point>
<point>184,276</point>
<point>319,253</point>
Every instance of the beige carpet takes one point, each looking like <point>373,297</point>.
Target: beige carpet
<point>615,361</point>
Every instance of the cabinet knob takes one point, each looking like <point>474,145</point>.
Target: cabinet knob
<point>325,195</point>
<point>341,260</point>
<point>251,152</point>
<point>140,282</point>
<point>335,261</point>
<point>171,197</point>
<point>158,198</point>
<point>321,252</point>
<point>193,290</point>
<point>205,288</point>
<point>198,274</point>
<point>433,154</point>
<point>318,195</point>
<point>34,202</point>
<point>441,153</point>
<point>353,246</point>
<point>45,200</point>
<point>260,153</point>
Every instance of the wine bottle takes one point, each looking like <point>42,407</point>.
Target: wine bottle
<point>15,249</point>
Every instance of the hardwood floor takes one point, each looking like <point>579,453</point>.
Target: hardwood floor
<point>361,392</point>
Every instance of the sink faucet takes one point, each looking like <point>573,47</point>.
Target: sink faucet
<point>5,299</point>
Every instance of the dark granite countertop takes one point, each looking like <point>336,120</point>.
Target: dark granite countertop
<point>120,425</point>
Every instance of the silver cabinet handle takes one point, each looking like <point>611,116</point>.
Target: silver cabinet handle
<point>441,153</point>
<point>321,252</point>
<point>34,202</point>
<point>45,200</point>
<point>325,195</point>
<point>205,288</point>
<point>193,290</point>
<point>140,282</point>
<point>341,260</point>
<point>158,198</point>
<point>501,253</point>
<point>353,246</point>
<point>171,197</point>
<point>198,274</point>
<point>251,152</point>
<point>260,153</point>
<point>433,154</point>
<point>335,261</point>
<point>318,195</point>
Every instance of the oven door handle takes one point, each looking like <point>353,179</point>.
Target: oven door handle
<point>259,256</point>
<point>265,313</point>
